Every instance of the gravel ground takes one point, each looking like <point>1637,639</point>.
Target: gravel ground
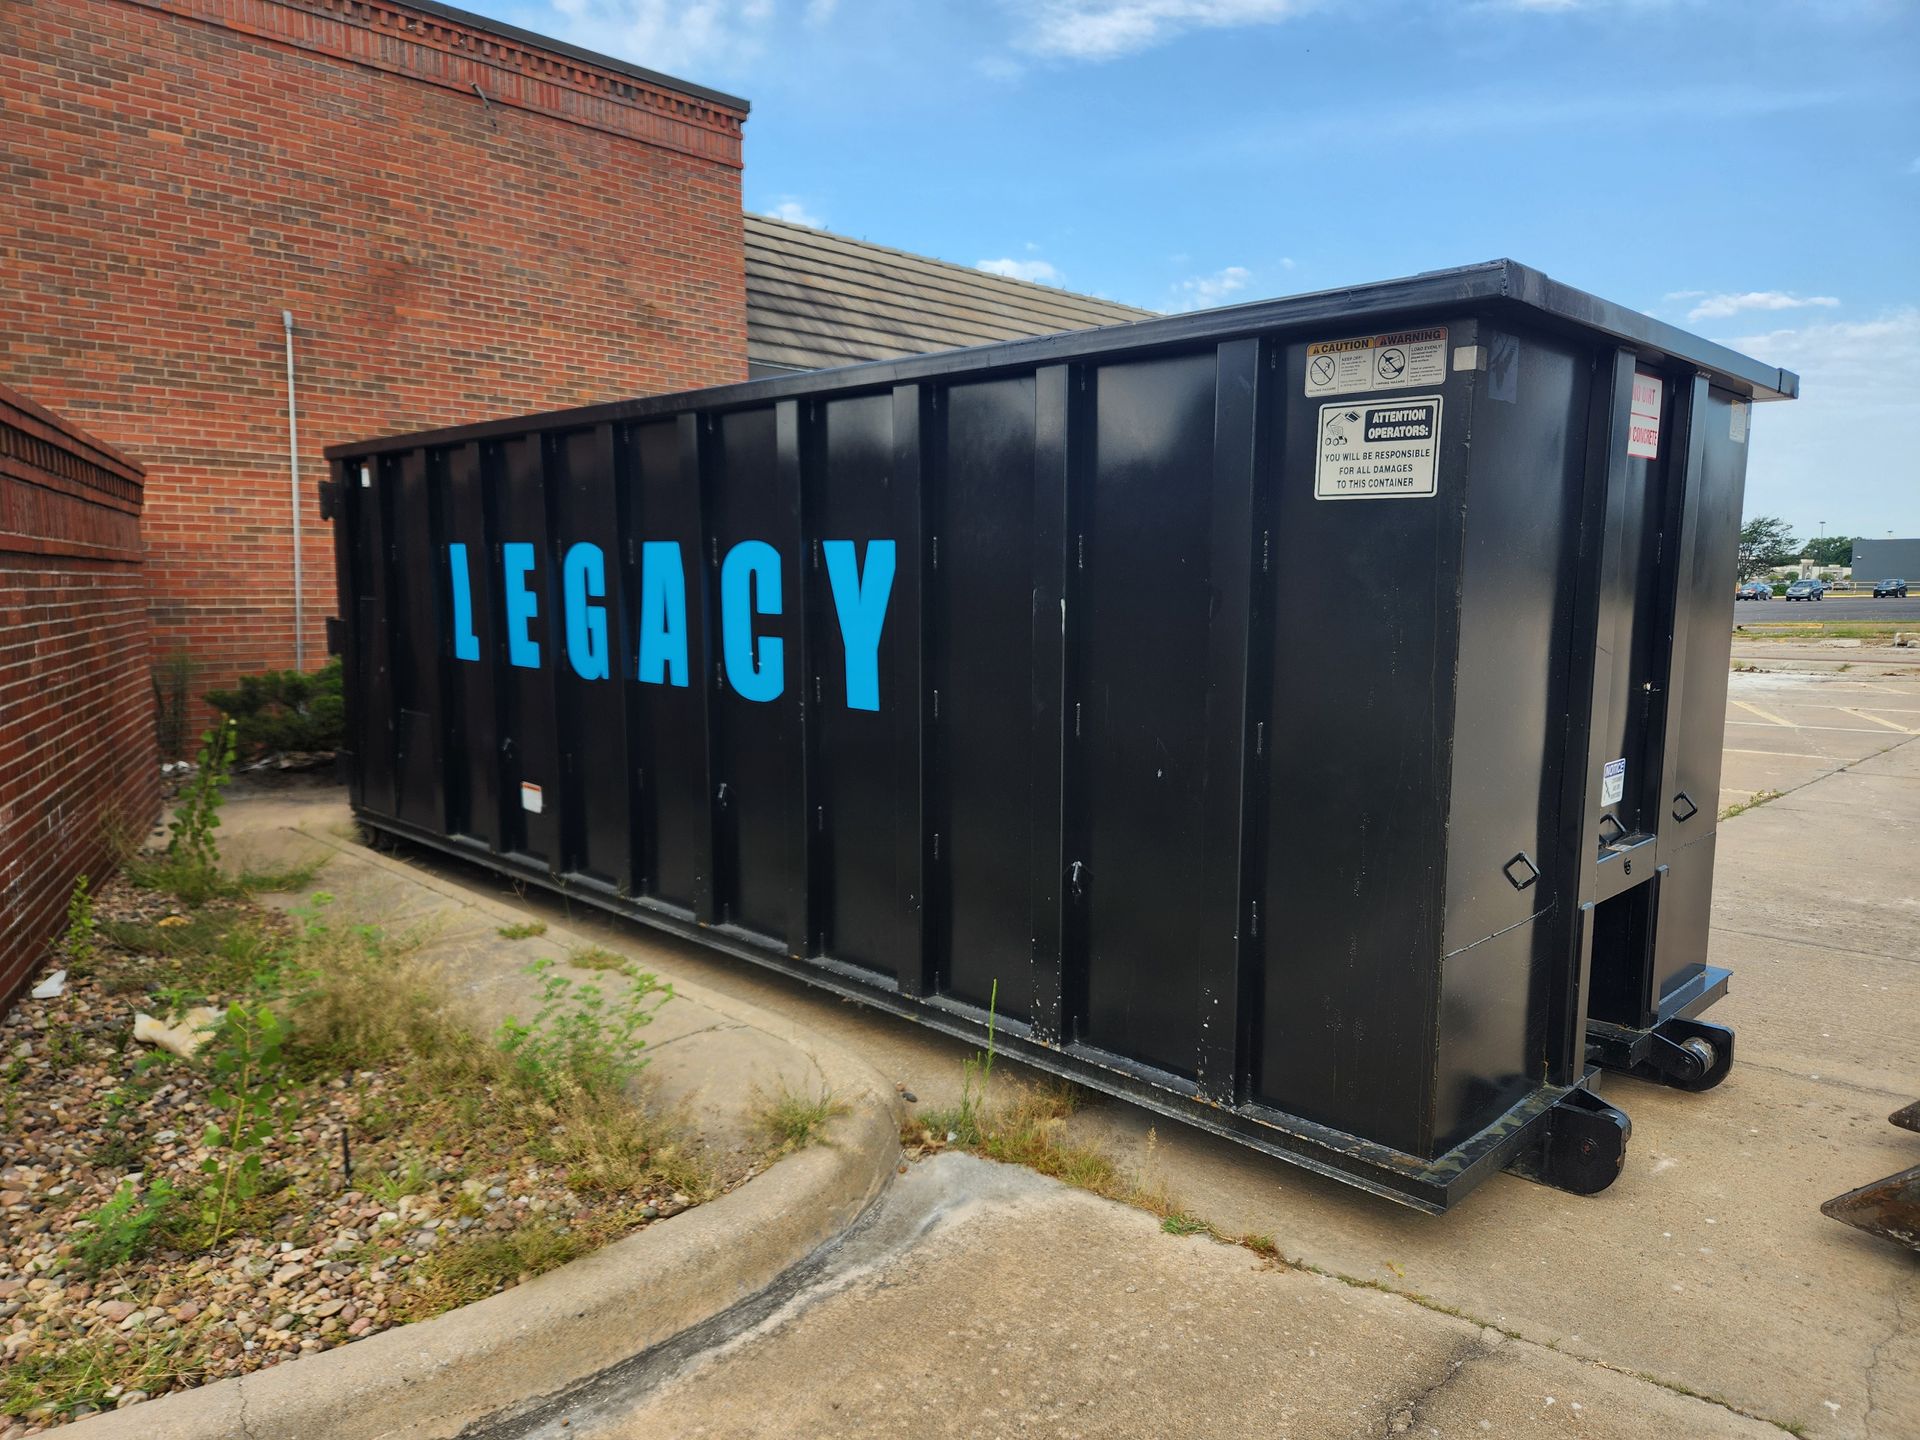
<point>324,1263</point>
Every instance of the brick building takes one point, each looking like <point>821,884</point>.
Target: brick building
<point>463,221</point>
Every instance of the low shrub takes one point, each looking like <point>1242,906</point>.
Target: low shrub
<point>286,709</point>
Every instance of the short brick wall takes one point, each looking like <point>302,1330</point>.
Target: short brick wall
<point>77,758</point>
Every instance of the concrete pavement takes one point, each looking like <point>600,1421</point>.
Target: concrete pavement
<point>1001,1304</point>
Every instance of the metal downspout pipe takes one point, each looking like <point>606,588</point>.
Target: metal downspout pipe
<point>293,468</point>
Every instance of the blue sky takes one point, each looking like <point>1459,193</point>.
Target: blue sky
<point>1748,170</point>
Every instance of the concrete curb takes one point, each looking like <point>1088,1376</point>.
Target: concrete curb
<point>439,1376</point>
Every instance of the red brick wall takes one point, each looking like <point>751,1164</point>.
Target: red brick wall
<point>76,700</point>
<point>174,175</point>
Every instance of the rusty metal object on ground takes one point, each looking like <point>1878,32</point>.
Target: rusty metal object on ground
<point>1889,1208</point>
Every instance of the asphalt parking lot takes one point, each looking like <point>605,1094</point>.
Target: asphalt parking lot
<point>1832,610</point>
<point>1788,728</point>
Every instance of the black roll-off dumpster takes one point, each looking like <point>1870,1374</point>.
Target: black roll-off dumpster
<point>1304,718</point>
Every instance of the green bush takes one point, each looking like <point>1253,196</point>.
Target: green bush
<point>286,709</point>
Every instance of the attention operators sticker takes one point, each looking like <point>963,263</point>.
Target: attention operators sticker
<point>1381,450</point>
<point>1398,360</point>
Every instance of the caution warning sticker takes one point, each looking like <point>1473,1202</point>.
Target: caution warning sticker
<point>1395,361</point>
<point>1378,450</point>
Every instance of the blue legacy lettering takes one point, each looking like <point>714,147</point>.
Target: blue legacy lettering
<point>466,644</point>
<point>585,577</point>
<point>861,602</point>
<point>516,560</point>
<point>662,652</point>
<point>750,585</point>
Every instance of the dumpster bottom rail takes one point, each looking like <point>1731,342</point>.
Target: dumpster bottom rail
<point>1565,1137</point>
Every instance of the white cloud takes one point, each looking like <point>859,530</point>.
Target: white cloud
<point>794,210</point>
<point>999,68</point>
<point>1202,292</point>
<point>681,37</point>
<point>1852,442</point>
<point>1105,29</point>
<point>1719,307</point>
<point>1913,166</point>
<point>1038,271</point>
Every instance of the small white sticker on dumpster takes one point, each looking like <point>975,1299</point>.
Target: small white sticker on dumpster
<point>1380,450</point>
<point>1398,360</point>
<point>1613,782</point>
<point>531,798</point>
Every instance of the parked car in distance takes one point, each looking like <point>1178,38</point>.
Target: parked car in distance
<point>1890,587</point>
<point>1754,590</point>
<point>1807,590</point>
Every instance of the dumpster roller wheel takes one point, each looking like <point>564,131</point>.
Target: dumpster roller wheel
<point>1688,1055</point>
<point>1580,1147</point>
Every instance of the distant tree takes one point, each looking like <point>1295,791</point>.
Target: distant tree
<point>1834,550</point>
<point>1766,541</point>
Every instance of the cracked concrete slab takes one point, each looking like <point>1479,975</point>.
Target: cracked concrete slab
<point>1022,1308</point>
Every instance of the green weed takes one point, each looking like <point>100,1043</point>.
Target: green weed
<point>792,1122</point>
<point>473,1269</point>
<point>282,879</point>
<point>80,943</point>
<point>81,1372</point>
<point>595,957</point>
<point>250,1084</point>
<point>578,1037</point>
<point>409,1179</point>
<point>523,930</point>
<point>1754,802</point>
<point>122,1227</point>
<point>189,868</point>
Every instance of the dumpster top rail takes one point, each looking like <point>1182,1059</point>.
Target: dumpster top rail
<point>1497,283</point>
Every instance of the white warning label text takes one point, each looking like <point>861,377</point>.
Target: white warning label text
<point>1380,450</point>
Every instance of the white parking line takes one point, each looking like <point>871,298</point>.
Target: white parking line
<point>1863,715</point>
<point>1842,729</point>
<point>1763,714</point>
<point>1783,754</point>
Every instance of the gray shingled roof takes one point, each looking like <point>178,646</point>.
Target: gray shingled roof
<point>815,299</point>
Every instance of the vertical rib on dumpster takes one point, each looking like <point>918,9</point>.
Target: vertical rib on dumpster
<point>1240,412</point>
<point>902,678</point>
<point>982,632</point>
<point>1054,445</point>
